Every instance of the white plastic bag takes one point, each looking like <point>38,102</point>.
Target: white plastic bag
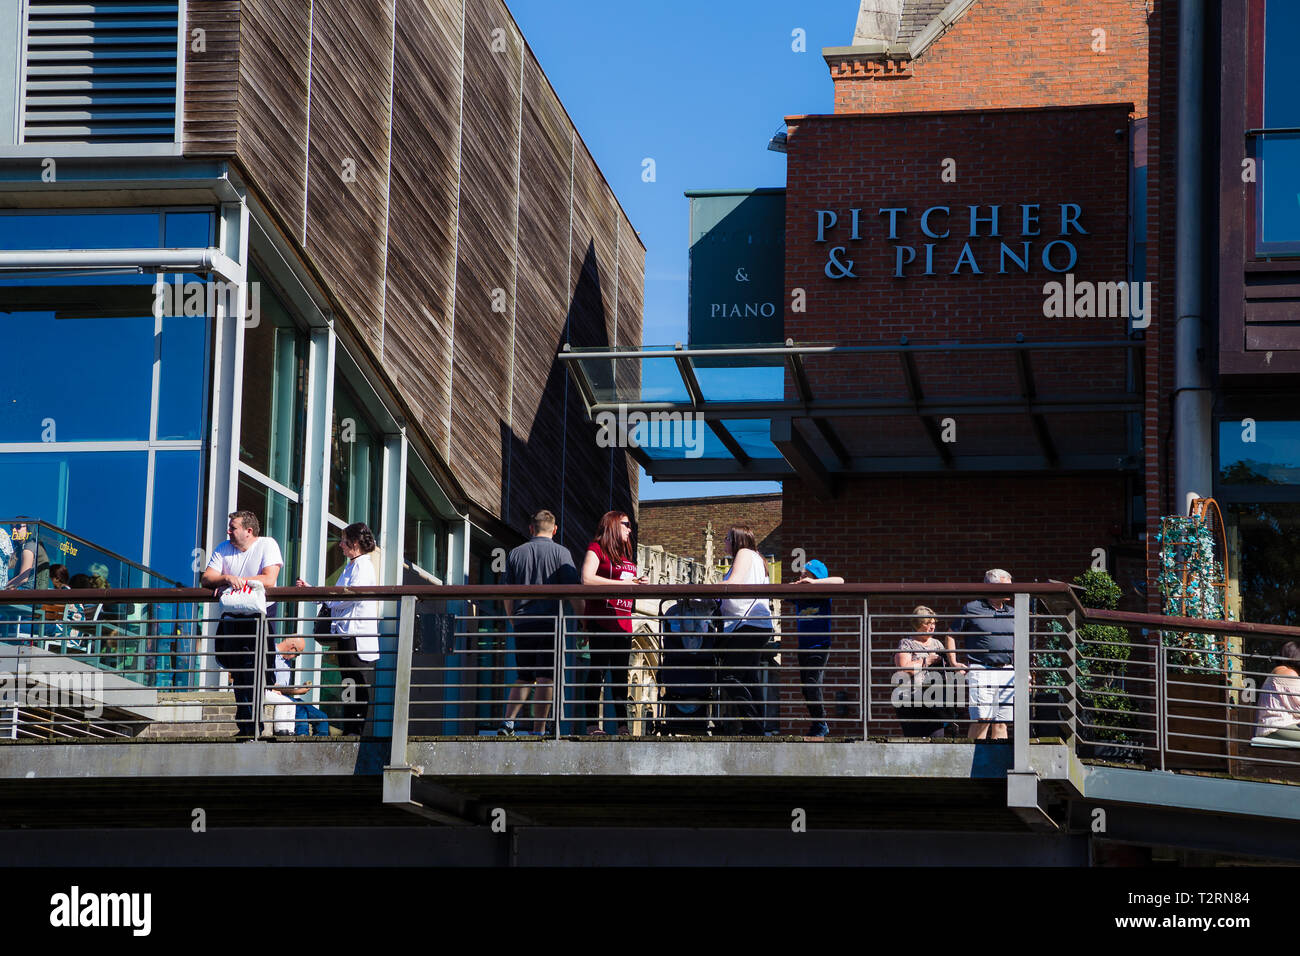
<point>250,599</point>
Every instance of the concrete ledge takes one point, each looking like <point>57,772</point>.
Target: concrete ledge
<point>538,758</point>
<point>675,758</point>
<point>1191,792</point>
<point>178,760</point>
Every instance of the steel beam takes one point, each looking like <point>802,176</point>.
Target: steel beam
<point>802,458</point>
<point>730,442</point>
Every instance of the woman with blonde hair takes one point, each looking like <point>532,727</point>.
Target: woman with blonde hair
<point>918,660</point>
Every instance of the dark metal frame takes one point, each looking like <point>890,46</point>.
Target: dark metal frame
<point>800,459</point>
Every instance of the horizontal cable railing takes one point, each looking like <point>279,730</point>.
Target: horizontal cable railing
<point>848,661</point>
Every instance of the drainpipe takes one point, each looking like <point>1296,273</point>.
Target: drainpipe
<point>1193,472</point>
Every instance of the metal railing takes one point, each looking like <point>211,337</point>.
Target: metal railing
<point>1135,689</point>
<point>239,676</point>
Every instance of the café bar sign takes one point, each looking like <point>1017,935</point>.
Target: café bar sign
<point>737,270</point>
<point>955,240</point>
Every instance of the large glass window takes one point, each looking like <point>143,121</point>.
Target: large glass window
<point>1264,553</point>
<point>1259,492</point>
<point>1255,452</point>
<point>75,378</point>
<point>355,449</point>
<point>274,408</point>
<point>177,507</point>
<point>425,541</point>
<point>98,495</point>
<point>279,519</point>
<point>1278,154</point>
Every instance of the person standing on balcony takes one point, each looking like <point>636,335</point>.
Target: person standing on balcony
<point>355,626</point>
<point>244,557</point>
<point>814,627</point>
<point>539,560</point>
<point>1279,699</point>
<point>608,562</point>
<point>989,626</point>
<point>747,628</point>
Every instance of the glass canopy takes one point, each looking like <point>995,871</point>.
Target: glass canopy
<point>818,412</point>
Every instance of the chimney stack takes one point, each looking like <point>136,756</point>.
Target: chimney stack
<point>878,20</point>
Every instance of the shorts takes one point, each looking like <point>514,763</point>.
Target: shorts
<point>990,691</point>
<point>534,650</point>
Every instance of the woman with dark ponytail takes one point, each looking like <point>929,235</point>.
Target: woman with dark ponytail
<point>355,625</point>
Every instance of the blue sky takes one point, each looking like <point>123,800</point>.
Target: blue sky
<point>699,87</point>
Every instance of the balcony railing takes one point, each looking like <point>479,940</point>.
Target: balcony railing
<point>1133,689</point>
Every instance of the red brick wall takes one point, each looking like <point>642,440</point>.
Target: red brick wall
<point>1008,158</point>
<point>954,529</point>
<point>679,525</point>
<point>934,530</point>
<point>1012,53</point>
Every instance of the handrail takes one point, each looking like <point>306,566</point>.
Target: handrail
<point>442,592</point>
<point>491,592</point>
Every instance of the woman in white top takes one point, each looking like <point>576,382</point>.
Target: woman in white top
<point>747,628</point>
<point>355,626</point>
<point>1279,698</point>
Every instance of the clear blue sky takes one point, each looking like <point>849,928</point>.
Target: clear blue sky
<point>699,87</point>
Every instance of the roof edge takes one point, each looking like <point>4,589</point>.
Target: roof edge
<point>879,49</point>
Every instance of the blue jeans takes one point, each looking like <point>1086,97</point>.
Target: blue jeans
<point>310,713</point>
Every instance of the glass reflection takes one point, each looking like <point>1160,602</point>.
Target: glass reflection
<point>149,644</point>
<point>354,461</point>
<point>274,409</point>
<point>83,379</point>
<point>425,533</point>
<point>1259,453</point>
<point>99,496</point>
<point>278,517</point>
<point>177,514</point>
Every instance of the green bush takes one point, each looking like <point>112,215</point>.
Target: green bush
<point>1103,654</point>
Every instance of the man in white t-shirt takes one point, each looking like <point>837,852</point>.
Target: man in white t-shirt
<point>245,557</point>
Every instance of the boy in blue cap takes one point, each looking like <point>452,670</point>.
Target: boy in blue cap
<point>814,627</point>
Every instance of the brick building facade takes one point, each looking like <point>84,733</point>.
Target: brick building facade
<point>1015,104</point>
<point>679,525</point>
<point>1045,111</point>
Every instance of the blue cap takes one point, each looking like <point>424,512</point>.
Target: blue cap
<point>816,569</point>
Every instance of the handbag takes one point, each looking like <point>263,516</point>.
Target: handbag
<point>321,626</point>
<point>250,600</point>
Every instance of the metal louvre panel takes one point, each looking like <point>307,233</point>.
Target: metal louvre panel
<point>102,72</point>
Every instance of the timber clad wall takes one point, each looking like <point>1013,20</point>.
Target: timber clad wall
<point>211,95</point>
<point>415,152</point>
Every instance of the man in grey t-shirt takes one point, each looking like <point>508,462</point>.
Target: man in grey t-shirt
<point>537,561</point>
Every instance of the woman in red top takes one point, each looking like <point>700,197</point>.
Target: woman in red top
<point>609,620</point>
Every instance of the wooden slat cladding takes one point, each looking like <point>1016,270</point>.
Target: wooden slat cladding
<point>273,68</point>
<point>589,468</point>
<point>347,163</point>
<point>422,208</point>
<point>212,79</point>
<point>537,443</point>
<point>631,283</point>
<point>485,259</point>
<point>413,234</point>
